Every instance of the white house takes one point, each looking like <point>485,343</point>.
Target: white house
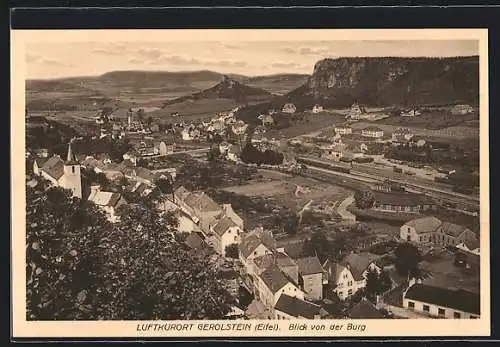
<point>419,230</point>
<point>402,134</point>
<point>334,153</point>
<point>374,132</point>
<point>348,276</point>
<point>226,233</point>
<point>461,110</point>
<point>343,130</point>
<point>107,201</point>
<point>441,302</point>
<point>289,108</point>
<point>317,109</point>
<point>411,113</point>
<point>272,283</point>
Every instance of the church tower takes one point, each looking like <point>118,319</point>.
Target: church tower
<point>72,178</point>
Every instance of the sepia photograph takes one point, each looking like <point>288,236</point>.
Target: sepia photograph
<point>224,181</point>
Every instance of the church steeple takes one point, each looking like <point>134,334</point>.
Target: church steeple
<point>71,158</point>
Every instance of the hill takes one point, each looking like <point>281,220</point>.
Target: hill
<point>390,81</point>
<point>277,84</point>
<point>338,83</point>
<point>227,88</point>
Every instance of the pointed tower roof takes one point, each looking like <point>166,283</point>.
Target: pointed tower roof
<point>71,158</point>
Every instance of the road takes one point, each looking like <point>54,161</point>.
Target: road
<point>342,209</point>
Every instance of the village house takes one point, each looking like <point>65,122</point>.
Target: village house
<point>402,202</point>
<point>461,110</point>
<point>131,156</point>
<point>165,147</point>
<point>289,108</point>
<point>233,153</point>
<point>107,201</point>
<point>410,113</point>
<point>348,276</point>
<point>114,170</point>
<point>141,189</point>
<point>374,132</point>
<point>356,111</point>
<point>290,307</point>
<point>343,130</point>
<point>226,232</point>
<point>431,229</point>
<point>317,109</point>
<point>64,174</point>
<point>333,152</point>
<point>141,174</point>
<point>311,277</point>
<point>441,302</point>
<point>272,283</point>
<point>187,135</point>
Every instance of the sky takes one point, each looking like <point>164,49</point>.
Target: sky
<point>251,58</point>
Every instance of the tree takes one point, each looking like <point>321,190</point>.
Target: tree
<point>232,251</point>
<point>213,154</point>
<point>373,286</point>
<point>407,259</point>
<point>140,114</point>
<point>149,121</point>
<point>79,266</point>
<point>364,198</point>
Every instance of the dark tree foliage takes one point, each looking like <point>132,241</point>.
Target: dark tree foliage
<point>232,251</point>
<point>81,267</point>
<point>252,155</point>
<point>407,261</point>
<point>364,198</point>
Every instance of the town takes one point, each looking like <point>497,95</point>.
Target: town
<point>304,210</point>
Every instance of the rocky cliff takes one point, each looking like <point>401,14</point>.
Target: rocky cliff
<point>391,81</point>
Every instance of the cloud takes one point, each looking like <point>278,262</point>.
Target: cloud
<point>287,65</point>
<point>135,61</point>
<point>150,52</point>
<point>305,50</point>
<point>39,59</point>
<point>106,51</point>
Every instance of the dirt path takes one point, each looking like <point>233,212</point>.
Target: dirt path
<point>342,209</point>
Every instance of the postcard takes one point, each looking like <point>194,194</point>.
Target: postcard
<point>250,183</point>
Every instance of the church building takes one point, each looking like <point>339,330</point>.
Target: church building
<point>64,174</point>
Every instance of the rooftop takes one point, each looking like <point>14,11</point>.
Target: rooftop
<point>365,309</point>
<point>274,279</point>
<point>309,266</point>
<point>452,229</point>
<point>109,199</point>
<point>357,264</point>
<point>223,225</point>
<point>54,167</point>
<point>401,199</point>
<point>455,299</point>
<point>296,307</point>
<point>424,225</point>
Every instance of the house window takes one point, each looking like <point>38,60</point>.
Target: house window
<point>349,283</point>
<point>349,292</point>
<point>456,315</point>
<point>235,238</point>
<point>408,237</point>
<point>340,294</point>
<point>426,308</point>
<point>255,253</point>
<point>73,169</point>
<point>345,276</point>
<point>441,311</point>
<point>411,305</point>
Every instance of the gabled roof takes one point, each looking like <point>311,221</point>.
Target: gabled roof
<point>274,279</point>
<point>452,229</point>
<point>145,173</point>
<point>424,225</point>
<point>202,202</point>
<point>223,225</point>
<point>54,167</point>
<point>365,309</point>
<point>309,266</point>
<point>109,199</point>
<point>284,260</point>
<point>357,264</point>
<point>41,161</point>
<point>264,261</point>
<point>455,299</point>
<point>296,307</point>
